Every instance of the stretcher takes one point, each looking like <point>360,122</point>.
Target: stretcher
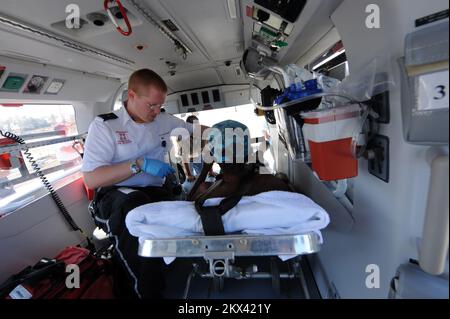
<point>269,224</point>
<point>220,253</point>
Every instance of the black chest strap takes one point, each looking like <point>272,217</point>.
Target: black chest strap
<point>211,216</point>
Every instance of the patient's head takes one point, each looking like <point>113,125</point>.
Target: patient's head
<point>229,142</point>
<point>230,145</point>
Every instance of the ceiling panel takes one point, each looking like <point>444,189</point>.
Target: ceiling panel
<point>210,24</point>
<point>204,25</point>
<point>17,46</point>
<point>193,79</point>
<point>232,74</point>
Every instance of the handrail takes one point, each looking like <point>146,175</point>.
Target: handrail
<point>113,19</point>
<point>20,147</point>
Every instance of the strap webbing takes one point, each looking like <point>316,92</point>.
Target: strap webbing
<point>211,216</point>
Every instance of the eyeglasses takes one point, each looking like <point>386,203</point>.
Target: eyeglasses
<point>149,105</point>
<point>154,106</point>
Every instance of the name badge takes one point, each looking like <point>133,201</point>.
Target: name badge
<point>122,137</point>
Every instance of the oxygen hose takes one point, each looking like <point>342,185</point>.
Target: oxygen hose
<point>46,184</point>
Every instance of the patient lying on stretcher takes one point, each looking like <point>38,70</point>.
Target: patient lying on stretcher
<point>231,180</point>
<point>234,175</point>
<point>247,202</point>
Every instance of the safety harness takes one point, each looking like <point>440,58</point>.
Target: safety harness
<point>211,216</point>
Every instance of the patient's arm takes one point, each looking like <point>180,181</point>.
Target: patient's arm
<point>266,183</point>
<point>230,186</point>
<point>197,189</point>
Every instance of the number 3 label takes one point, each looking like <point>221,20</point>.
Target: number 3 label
<point>441,92</point>
<point>432,90</point>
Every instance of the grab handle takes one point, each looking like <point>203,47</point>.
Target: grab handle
<point>113,19</point>
<point>434,244</point>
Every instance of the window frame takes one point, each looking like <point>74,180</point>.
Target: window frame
<point>119,96</point>
<point>23,169</point>
<point>26,173</point>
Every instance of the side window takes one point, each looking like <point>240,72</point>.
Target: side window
<point>50,132</point>
<point>121,97</point>
<point>332,63</point>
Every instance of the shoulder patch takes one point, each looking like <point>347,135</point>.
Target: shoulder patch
<point>108,116</point>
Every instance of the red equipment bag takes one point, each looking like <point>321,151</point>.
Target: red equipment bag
<point>47,279</point>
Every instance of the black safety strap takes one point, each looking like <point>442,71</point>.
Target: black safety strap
<point>211,216</point>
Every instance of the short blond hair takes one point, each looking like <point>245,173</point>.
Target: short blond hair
<point>145,78</point>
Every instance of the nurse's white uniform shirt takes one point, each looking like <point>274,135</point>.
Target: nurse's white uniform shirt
<point>120,140</point>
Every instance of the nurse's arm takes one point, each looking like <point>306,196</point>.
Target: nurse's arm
<point>108,175</point>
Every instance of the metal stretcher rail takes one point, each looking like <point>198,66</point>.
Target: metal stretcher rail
<point>220,252</point>
<point>231,245</point>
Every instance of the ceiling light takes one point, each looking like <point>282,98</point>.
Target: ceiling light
<point>98,19</point>
<point>232,9</point>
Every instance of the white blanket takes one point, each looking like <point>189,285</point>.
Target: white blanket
<point>269,213</point>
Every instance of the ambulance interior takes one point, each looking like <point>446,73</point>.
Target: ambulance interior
<point>385,61</point>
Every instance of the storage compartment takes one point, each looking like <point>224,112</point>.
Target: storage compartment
<point>425,110</point>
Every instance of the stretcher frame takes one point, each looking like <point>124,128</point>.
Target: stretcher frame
<point>220,252</point>
<point>231,245</point>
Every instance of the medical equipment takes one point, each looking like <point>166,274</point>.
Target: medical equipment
<point>321,124</point>
<point>329,134</point>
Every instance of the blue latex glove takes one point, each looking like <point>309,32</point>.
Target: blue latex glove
<point>156,167</point>
<point>187,186</point>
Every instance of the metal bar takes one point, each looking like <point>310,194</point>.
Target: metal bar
<point>239,245</point>
<point>21,147</point>
<point>31,176</point>
<point>259,275</point>
<point>41,135</point>
<point>188,284</point>
<point>303,283</point>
